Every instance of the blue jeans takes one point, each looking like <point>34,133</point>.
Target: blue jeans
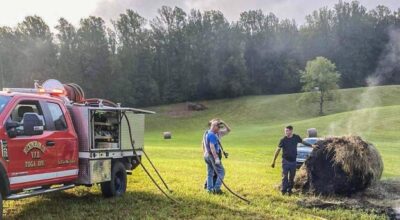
<point>210,173</point>
<point>288,173</point>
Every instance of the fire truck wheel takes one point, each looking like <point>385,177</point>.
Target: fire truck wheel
<point>117,185</point>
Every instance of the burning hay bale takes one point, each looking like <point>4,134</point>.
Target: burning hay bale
<point>340,165</point>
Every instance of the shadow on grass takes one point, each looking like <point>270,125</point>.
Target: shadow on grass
<point>133,205</point>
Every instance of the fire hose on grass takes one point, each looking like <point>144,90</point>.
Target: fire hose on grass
<point>227,187</point>
<point>144,168</point>
<point>222,181</point>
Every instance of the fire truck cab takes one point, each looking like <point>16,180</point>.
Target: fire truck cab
<point>51,143</point>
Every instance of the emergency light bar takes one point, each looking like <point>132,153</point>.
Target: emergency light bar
<point>58,92</point>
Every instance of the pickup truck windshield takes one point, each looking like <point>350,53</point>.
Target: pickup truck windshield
<point>3,102</point>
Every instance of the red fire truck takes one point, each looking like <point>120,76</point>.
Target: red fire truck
<point>53,139</point>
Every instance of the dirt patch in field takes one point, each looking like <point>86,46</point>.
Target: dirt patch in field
<point>382,198</point>
<point>179,111</point>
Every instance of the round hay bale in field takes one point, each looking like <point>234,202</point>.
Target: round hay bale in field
<point>340,165</point>
<point>167,135</point>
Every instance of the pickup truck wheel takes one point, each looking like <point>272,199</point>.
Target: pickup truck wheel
<point>117,185</point>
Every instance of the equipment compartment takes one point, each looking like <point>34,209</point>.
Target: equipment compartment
<point>106,129</point>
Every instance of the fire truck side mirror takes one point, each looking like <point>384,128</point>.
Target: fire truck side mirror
<point>32,124</point>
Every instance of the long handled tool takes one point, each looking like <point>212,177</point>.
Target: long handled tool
<point>141,164</point>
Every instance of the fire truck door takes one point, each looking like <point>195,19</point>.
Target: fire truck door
<point>31,159</point>
<point>63,138</point>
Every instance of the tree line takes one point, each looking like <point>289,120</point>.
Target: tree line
<point>184,56</point>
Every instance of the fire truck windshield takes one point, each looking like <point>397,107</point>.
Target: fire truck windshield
<point>3,102</point>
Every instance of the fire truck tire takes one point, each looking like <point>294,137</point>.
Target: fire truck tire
<point>117,185</point>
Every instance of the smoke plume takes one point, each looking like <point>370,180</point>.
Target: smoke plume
<point>389,64</point>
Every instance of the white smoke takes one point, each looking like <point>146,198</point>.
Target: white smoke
<point>389,64</point>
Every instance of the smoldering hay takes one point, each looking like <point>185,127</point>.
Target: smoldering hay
<point>341,166</point>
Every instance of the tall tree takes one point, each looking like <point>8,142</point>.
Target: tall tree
<point>320,76</point>
<point>94,57</point>
<point>68,67</point>
<point>37,52</point>
<point>135,56</point>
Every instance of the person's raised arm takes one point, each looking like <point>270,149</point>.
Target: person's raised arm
<point>228,129</point>
<point>225,130</point>
<point>304,142</point>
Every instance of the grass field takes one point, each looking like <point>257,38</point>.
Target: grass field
<point>257,123</point>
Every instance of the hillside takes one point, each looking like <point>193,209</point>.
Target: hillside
<point>257,121</point>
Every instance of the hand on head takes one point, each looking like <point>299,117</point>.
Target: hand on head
<point>214,126</point>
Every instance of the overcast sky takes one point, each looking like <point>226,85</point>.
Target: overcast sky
<point>13,11</point>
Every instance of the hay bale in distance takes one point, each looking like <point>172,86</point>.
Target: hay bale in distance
<point>340,165</point>
<point>167,135</point>
<point>191,106</point>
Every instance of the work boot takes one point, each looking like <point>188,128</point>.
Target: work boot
<point>218,192</point>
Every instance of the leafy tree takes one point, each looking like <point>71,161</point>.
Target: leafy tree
<point>94,57</point>
<point>135,57</point>
<point>8,56</point>
<point>68,68</point>
<point>37,52</point>
<point>320,76</point>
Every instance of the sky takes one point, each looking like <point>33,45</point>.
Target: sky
<point>14,11</point>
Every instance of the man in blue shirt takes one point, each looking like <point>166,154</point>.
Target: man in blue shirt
<point>224,130</point>
<point>211,149</point>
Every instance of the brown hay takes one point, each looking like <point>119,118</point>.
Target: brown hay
<point>340,165</point>
<point>355,155</point>
<point>300,178</point>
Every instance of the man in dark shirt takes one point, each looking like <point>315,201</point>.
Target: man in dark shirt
<point>288,144</point>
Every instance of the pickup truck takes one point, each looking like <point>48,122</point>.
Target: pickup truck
<point>304,151</point>
<point>50,143</point>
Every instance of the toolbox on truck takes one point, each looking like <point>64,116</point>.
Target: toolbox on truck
<point>103,134</point>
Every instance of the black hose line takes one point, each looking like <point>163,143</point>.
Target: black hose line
<point>226,186</point>
<point>155,169</point>
<point>222,149</point>
<point>140,161</point>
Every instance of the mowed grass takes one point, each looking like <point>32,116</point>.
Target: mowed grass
<point>257,123</point>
